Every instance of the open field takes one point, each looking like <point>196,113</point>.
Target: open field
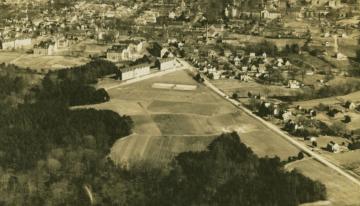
<point>232,85</point>
<point>179,118</point>
<point>349,160</point>
<point>353,125</point>
<point>41,62</point>
<point>355,96</point>
<point>340,190</point>
<point>280,43</point>
<point>168,122</point>
<point>6,57</point>
<point>49,62</point>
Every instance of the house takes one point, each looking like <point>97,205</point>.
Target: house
<point>313,139</point>
<point>237,61</point>
<point>254,68</point>
<point>341,57</point>
<point>276,112</point>
<point>326,3</point>
<point>212,53</point>
<point>216,75</point>
<point>45,48</point>
<point>287,116</point>
<point>131,52</point>
<point>114,54</point>
<point>333,147</point>
<point>262,68</point>
<point>350,105</point>
<point>227,53</point>
<point>62,43</point>
<point>267,14</point>
<point>166,53</point>
<point>134,71</point>
<point>147,17</point>
<point>294,84</point>
<point>245,78</point>
<point>172,15</point>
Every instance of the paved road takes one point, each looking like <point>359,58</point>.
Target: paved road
<point>277,130</point>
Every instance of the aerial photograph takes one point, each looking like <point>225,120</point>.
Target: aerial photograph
<point>179,102</point>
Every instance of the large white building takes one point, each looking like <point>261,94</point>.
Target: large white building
<point>266,14</point>
<point>130,53</point>
<point>16,44</point>
<point>134,71</point>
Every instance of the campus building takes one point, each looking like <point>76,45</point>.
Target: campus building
<point>134,71</point>
<point>44,48</point>
<point>16,44</point>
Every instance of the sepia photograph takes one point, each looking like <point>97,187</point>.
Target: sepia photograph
<point>179,102</point>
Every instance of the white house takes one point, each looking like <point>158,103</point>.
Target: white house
<point>269,14</point>
<point>294,84</point>
<point>333,147</point>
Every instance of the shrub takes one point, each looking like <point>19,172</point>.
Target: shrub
<point>347,119</point>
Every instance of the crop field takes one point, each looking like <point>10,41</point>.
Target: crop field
<point>339,189</point>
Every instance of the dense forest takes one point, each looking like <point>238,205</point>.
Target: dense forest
<point>53,155</point>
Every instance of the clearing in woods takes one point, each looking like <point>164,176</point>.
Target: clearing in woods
<point>38,62</point>
<point>168,122</point>
<point>171,121</point>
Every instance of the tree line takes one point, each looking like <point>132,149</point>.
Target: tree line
<point>227,173</point>
<point>72,86</point>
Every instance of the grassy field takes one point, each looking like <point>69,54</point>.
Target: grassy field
<point>49,62</point>
<point>355,96</point>
<point>37,62</point>
<point>230,86</point>
<point>6,57</point>
<point>170,121</point>
<point>349,160</point>
<point>340,190</point>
